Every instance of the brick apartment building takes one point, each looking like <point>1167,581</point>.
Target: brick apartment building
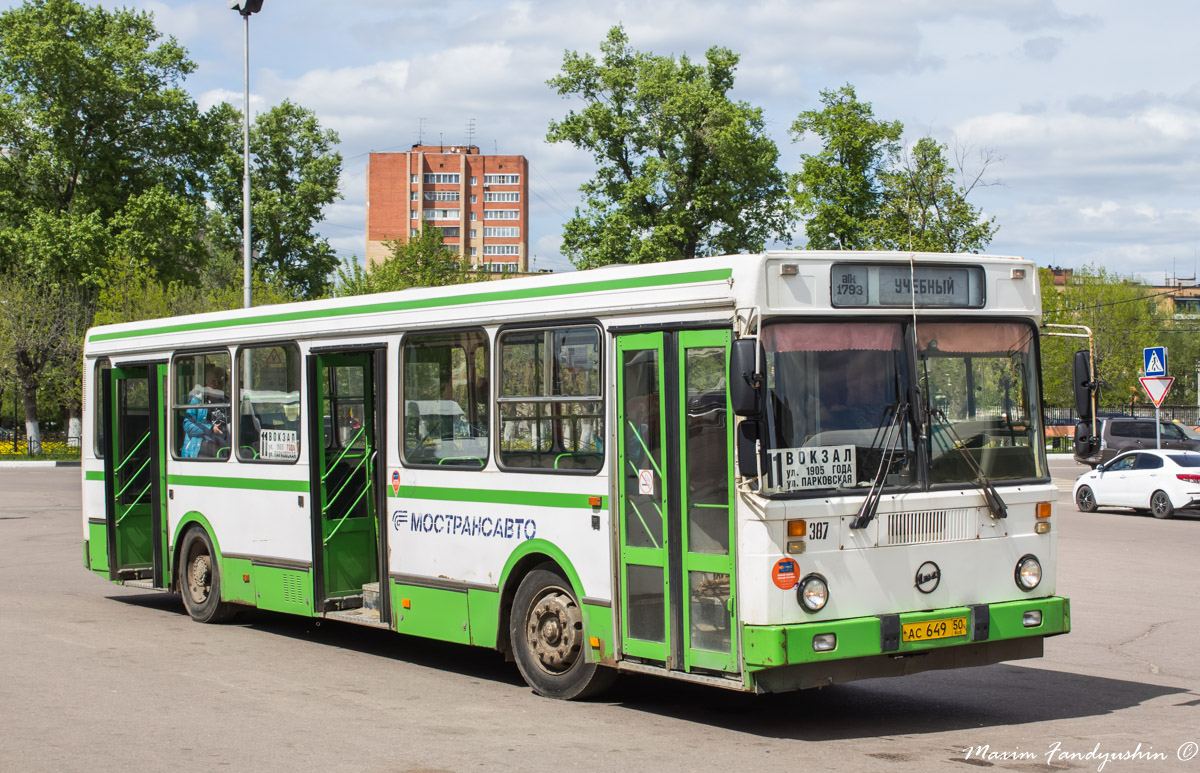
<point>480,202</point>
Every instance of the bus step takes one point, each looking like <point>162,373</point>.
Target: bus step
<point>371,596</point>
<point>143,584</point>
<point>359,616</point>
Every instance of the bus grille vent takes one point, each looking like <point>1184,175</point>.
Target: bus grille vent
<point>926,526</point>
<point>293,588</point>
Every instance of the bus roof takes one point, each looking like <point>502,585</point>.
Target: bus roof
<point>623,291</point>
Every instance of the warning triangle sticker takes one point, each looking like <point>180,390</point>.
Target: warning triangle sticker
<point>1157,387</point>
<point>1155,365</point>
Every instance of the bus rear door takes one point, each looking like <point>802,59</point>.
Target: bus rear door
<point>134,473</point>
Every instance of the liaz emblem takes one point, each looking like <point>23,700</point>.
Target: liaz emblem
<point>928,577</point>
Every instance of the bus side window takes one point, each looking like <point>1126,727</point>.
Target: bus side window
<point>201,426</point>
<point>551,407</point>
<point>445,399</point>
<point>268,415</point>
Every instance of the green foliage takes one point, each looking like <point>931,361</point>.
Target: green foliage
<point>925,210</point>
<point>293,177</point>
<point>1124,319</point>
<point>840,190</point>
<point>684,170</point>
<point>41,338</point>
<point>862,190</point>
<point>92,115</point>
<point>423,261</point>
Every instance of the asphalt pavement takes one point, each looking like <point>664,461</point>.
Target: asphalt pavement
<point>98,677</point>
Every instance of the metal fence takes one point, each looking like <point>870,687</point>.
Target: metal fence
<point>1184,414</point>
<point>59,444</point>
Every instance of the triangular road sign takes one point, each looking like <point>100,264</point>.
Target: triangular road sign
<point>1157,387</point>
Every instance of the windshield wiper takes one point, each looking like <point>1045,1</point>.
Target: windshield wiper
<point>995,504</point>
<point>870,505</point>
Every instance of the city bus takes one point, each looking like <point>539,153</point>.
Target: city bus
<point>758,472</point>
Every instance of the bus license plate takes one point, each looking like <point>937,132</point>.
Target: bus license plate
<point>943,628</point>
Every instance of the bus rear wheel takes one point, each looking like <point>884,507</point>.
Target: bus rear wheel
<point>200,579</point>
<point>546,634</point>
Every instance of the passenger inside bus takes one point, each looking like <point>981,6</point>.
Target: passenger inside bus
<point>206,430</point>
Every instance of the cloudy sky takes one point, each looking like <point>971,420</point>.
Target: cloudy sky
<point>1092,106</point>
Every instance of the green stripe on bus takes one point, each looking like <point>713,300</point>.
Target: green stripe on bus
<point>527,293</point>
<point>496,497</point>
<point>94,475</point>
<point>256,484</point>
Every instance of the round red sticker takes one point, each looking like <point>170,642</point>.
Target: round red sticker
<point>785,574</point>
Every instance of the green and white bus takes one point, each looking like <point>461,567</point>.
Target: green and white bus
<point>760,472</point>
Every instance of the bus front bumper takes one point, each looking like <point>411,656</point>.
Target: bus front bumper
<point>878,645</point>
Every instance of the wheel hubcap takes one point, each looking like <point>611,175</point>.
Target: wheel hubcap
<point>199,578</point>
<point>555,631</point>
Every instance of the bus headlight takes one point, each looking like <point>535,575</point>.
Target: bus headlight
<point>1029,573</point>
<point>812,593</point>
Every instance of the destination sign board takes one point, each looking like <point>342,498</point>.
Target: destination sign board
<point>811,467</point>
<point>890,286</point>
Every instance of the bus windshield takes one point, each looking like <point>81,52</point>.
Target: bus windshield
<point>980,381</point>
<point>836,405</point>
<point>838,398</point>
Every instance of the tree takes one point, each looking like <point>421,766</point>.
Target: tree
<point>924,209</point>
<point>423,261</point>
<point>684,170</point>
<point>293,177</point>
<point>1124,319</point>
<point>92,115</point>
<point>41,326</point>
<point>840,190</point>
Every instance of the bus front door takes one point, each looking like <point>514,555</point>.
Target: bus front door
<point>676,508</point>
<point>346,465</point>
<point>135,416</point>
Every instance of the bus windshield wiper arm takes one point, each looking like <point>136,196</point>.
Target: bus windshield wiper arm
<point>866,513</point>
<point>992,497</point>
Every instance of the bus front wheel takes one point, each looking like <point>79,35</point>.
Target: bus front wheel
<point>200,581</point>
<point>546,633</point>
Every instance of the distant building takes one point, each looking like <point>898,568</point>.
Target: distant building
<point>1179,297</point>
<point>479,202</point>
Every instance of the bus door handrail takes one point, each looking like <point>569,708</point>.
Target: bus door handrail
<point>133,504</point>
<point>367,456</point>
<point>129,455</point>
<point>366,489</point>
<point>349,447</point>
<point>132,478</point>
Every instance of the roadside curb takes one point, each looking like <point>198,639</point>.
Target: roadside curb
<point>11,465</point>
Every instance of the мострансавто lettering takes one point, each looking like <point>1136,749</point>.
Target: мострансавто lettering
<point>465,525</point>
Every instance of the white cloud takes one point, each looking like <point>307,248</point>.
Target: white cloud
<point>1097,127</point>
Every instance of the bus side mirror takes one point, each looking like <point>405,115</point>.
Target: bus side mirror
<point>1084,443</point>
<point>745,382</point>
<point>748,434</point>
<point>1081,381</point>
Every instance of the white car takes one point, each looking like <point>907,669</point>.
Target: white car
<point>1159,481</point>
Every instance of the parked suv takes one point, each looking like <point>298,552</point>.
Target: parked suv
<point>1117,435</point>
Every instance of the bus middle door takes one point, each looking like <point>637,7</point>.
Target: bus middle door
<point>346,469</point>
<point>676,510</point>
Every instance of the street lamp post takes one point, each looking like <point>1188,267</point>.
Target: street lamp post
<point>834,236</point>
<point>245,8</point>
